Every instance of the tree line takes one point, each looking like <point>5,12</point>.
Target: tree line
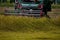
<point>12,1</point>
<point>4,1</point>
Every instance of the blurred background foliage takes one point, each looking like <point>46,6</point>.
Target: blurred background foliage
<point>5,1</point>
<point>10,3</point>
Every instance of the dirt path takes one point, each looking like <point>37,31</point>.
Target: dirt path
<point>54,13</point>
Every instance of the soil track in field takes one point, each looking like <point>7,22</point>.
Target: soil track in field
<point>54,13</point>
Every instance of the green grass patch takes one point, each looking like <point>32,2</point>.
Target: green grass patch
<point>55,6</point>
<point>7,5</point>
<point>29,36</point>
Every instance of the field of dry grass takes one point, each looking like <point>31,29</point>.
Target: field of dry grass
<point>17,22</point>
<point>29,28</point>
